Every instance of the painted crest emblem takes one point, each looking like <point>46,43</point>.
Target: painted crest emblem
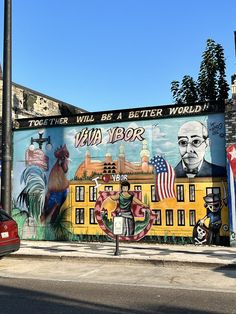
<point>106,209</point>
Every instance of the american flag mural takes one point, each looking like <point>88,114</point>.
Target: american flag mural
<point>165,178</point>
<point>231,169</point>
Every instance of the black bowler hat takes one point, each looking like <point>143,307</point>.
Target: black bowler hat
<point>212,198</point>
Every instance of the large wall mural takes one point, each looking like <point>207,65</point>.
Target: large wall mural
<point>165,176</point>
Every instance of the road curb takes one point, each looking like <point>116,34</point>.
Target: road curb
<point>124,260</point>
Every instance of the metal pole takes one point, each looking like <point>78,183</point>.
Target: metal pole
<point>117,252</point>
<point>6,199</point>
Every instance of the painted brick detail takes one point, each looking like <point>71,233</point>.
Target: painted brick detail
<point>230,123</point>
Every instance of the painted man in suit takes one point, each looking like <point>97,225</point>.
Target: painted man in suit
<point>193,141</point>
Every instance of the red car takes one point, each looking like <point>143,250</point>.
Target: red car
<point>9,238</point>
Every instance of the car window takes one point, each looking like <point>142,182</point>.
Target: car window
<point>4,216</point>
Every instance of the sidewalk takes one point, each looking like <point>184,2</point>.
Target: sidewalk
<point>159,254</point>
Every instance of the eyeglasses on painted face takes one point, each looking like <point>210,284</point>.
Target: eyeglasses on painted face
<point>195,142</point>
<point>213,207</point>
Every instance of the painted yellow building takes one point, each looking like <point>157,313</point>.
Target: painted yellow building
<point>174,217</point>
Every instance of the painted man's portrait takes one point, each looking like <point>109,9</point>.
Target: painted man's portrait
<point>193,141</point>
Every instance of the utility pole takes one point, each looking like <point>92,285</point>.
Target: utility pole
<point>6,182</point>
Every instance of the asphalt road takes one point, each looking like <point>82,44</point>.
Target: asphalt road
<point>29,286</point>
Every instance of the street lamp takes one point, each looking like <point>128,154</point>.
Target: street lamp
<point>40,140</point>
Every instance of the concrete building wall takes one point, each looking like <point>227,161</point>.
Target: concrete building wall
<point>230,137</point>
<point>28,103</point>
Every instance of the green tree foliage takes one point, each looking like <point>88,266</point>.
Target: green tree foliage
<point>211,84</point>
<point>187,92</point>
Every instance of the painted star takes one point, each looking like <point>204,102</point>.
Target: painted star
<point>233,154</point>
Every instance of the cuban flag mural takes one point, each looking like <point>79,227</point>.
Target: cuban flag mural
<point>231,167</point>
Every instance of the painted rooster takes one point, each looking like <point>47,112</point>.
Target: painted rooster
<point>57,186</point>
<point>33,194</point>
<point>44,199</point>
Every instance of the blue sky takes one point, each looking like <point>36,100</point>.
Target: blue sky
<point>115,54</point>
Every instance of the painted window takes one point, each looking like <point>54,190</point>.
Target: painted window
<point>180,193</point>
<point>192,193</point>
<point>214,190</point>
<point>79,193</point>
<point>153,193</point>
<point>157,220</point>
<point>192,217</point>
<point>137,188</point>
<point>92,194</point>
<point>79,216</point>
<point>92,218</point>
<point>169,217</point>
<point>108,188</point>
<point>181,217</point>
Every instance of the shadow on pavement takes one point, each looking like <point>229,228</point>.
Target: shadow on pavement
<point>21,300</point>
